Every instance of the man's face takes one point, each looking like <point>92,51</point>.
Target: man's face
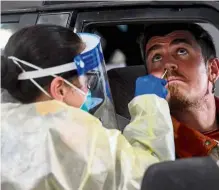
<point>181,55</point>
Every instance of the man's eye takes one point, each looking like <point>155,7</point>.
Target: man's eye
<point>157,58</point>
<point>182,51</point>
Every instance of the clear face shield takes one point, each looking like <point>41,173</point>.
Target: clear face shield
<point>92,76</point>
<point>91,81</point>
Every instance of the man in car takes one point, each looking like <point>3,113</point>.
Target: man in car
<point>188,54</point>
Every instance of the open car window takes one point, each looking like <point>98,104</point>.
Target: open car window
<point>121,42</point>
<point>124,62</point>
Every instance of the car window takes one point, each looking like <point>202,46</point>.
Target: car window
<point>120,44</point>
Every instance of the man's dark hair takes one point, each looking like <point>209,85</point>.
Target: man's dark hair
<point>202,37</point>
<point>42,45</point>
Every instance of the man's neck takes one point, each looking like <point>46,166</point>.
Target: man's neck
<point>201,118</point>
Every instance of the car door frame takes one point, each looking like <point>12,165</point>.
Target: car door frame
<point>201,13</point>
<point>23,20</point>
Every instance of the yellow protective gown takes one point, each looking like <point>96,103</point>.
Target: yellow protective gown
<point>51,146</point>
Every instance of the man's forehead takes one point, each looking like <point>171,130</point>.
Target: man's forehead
<point>178,34</point>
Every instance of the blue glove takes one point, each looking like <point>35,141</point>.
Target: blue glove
<point>151,85</point>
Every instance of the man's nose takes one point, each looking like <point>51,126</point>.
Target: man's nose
<point>171,66</point>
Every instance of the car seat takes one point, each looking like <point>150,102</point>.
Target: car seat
<point>122,85</point>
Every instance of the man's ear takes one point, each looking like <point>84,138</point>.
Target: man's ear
<point>213,69</point>
<point>58,88</point>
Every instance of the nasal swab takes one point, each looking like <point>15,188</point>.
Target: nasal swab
<point>164,74</point>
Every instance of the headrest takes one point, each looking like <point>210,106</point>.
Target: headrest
<point>122,84</point>
<point>184,174</point>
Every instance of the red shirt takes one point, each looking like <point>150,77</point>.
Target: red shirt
<point>190,142</point>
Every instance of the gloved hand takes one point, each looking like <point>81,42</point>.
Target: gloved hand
<point>150,84</point>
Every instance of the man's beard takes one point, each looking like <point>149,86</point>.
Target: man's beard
<point>179,102</point>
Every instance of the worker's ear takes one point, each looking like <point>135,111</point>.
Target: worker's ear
<point>58,89</point>
<point>213,70</point>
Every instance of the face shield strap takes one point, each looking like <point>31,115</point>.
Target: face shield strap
<point>15,61</point>
<point>39,73</point>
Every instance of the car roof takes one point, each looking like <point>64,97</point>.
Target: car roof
<point>35,6</point>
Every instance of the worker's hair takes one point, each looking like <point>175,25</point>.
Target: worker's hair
<point>202,37</point>
<point>42,45</point>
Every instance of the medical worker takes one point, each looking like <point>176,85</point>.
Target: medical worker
<point>51,137</point>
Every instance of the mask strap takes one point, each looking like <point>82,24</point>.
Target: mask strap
<point>79,90</point>
<point>41,73</point>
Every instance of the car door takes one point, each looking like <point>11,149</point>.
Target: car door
<point>203,13</point>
